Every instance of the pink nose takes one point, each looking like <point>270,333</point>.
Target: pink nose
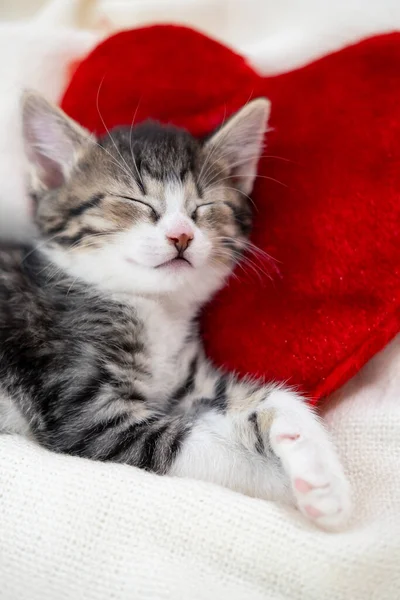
<point>181,241</point>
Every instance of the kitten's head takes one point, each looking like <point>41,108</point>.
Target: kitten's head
<point>147,209</point>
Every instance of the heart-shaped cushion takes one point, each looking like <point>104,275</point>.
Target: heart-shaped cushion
<point>327,198</point>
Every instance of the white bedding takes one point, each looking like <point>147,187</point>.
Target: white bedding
<point>73,529</point>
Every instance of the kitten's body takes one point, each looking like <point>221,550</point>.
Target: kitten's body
<point>99,350</point>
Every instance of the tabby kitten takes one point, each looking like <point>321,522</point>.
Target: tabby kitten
<point>100,355</point>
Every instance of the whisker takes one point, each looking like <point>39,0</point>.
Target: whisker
<point>48,267</point>
<point>88,238</point>
<point>38,246</point>
<point>231,274</point>
<point>226,187</point>
<point>71,286</point>
<point>127,170</point>
<point>116,162</point>
<point>255,249</point>
<point>256,252</point>
<point>272,179</point>
<point>55,269</point>
<point>277,157</point>
<point>214,148</point>
<point>248,246</point>
<point>207,158</point>
<point>225,154</point>
<point>256,175</point>
<point>130,144</point>
<point>248,261</point>
<point>244,263</point>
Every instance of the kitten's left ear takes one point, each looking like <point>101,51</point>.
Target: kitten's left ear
<point>240,142</point>
<point>52,140</point>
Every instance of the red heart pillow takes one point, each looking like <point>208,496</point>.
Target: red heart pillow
<point>328,195</point>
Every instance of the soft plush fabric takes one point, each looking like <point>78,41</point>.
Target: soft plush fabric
<point>73,529</point>
<point>327,197</point>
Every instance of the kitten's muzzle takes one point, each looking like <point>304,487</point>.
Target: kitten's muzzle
<point>181,242</point>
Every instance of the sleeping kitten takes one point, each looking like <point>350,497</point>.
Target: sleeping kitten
<point>100,355</point>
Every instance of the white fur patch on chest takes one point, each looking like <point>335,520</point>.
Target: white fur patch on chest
<point>168,349</point>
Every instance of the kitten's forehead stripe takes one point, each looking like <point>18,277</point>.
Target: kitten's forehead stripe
<point>160,151</point>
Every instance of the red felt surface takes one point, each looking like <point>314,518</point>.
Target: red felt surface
<point>328,195</point>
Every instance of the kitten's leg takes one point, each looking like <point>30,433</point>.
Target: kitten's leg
<point>269,443</point>
<point>307,455</point>
<point>264,441</point>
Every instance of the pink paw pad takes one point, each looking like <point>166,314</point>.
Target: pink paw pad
<point>287,437</point>
<point>313,512</point>
<point>302,486</point>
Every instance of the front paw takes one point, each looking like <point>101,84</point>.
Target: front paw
<point>319,485</point>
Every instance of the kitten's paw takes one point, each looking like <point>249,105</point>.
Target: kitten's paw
<point>319,485</point>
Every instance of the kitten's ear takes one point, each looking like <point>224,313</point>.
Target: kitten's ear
<point>240,142</point>
<point>52,140</point>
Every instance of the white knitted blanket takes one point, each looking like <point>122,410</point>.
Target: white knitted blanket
<point>72,529</point>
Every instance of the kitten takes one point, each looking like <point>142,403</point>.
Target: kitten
<point>100,355</point>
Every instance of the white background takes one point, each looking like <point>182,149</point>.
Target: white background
<point>278,34</point>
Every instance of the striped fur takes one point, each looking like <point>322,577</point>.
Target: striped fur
<point>100,355</point>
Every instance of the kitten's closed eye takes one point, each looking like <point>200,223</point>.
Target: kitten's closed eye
<point>198,210</point>
<point>153,210</point>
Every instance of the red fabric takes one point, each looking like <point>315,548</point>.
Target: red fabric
<point>328,198</point>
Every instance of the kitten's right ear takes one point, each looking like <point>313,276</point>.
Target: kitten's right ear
<point>52,140</point>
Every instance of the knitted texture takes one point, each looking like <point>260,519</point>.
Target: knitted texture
<point>73,529</point>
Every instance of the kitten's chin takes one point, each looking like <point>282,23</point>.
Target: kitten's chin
<point>190,283</point>
<point>111,273</point>
<point>175,264</point>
